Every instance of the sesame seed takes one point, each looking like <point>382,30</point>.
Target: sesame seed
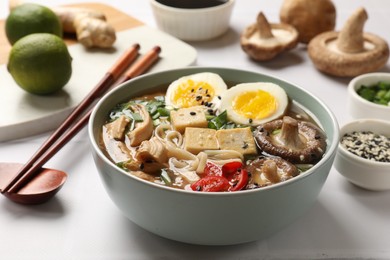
<point>368,145</point>
<point>192,113</point>
<point>198,98</point>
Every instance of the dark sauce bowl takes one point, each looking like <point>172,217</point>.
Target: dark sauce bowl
<point>193,20</point>
<point>191,4</point>
<point>211,218</point>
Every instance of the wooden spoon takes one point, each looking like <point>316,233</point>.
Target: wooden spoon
<point>31,184</point>
<point>41,188</point>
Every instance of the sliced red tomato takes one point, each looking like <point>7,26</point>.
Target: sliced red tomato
<point>235,173</point>
<point>211,183</point>
<point>212,169</point>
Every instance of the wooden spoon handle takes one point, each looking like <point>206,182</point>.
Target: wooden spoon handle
<point>137,69</point>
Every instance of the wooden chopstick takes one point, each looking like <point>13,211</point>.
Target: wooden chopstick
<point>138,68</point>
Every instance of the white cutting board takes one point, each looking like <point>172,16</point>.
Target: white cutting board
<point>23,114</point>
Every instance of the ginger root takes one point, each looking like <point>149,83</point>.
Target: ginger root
<point>90,26</point>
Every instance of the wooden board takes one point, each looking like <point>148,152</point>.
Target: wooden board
<point>119,20</point>
<point>24,114</point>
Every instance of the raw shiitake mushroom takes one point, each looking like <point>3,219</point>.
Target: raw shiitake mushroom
<point>263,40</point>
<point>351,51</point>
<point>309,17</point>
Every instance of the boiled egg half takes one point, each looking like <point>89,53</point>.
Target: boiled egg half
<point>198,89</point>
<point>254,103</point>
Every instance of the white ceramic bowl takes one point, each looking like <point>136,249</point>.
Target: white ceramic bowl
<point>193,24</point>
<point>358,107</point>
<point>211,218</point>
<point>371,175</point>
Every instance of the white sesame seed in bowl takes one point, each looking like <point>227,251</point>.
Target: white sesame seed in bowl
<point>363,155</point>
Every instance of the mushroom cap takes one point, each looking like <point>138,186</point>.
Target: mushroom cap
<point>284,170</point>
<point>297,142</point>
<point>327,57</point>
<point>282,37</point>
<point>309,17</point>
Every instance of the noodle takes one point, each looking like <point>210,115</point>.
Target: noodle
<point>224,154</point>
<point>159,132</point>
<point>202,159</point>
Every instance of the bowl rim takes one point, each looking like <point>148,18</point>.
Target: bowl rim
<point>352,156</point>
<point>353,87</point>
<point>332,145</point>
<point>191,10</point>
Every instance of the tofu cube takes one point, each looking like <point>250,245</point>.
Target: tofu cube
<point>237,139</point>
<point>188,117</point>
<point>200,139</point>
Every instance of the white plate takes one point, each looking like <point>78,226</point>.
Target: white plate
<point>23,114</point>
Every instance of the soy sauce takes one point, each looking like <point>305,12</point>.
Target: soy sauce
<point>192,4</point>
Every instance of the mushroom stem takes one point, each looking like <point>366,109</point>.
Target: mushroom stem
<point>289,135</point>
<point>270,171</point>
<point>264,27</point>
<point>351,38</point>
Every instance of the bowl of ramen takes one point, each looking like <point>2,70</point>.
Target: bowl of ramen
<point>212,156</point>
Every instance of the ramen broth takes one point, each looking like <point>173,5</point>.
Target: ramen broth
<point>121,152</point>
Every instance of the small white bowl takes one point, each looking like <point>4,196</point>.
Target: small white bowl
<point>193,24</point>
<point>365,173</point>
<point>359,107</point>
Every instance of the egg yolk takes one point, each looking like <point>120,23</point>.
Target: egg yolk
<point>191,93</point>
<point>257,104</point>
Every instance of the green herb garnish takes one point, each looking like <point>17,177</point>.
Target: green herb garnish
<point>218,122</point>
<point>165,177</point>
<point>378,93</point>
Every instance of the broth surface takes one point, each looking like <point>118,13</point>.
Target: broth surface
<point>177,169</point>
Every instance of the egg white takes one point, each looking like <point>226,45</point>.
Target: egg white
<point>272,89</point>
<point>213,80</point>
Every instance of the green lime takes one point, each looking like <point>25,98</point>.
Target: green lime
<point>31,18</point>
<point>40,63</point>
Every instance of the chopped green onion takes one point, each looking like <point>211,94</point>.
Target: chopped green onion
<point>304,166</point>
<point>209,117</point>
<point>156,122</point>
<point>378,93</point>
<point>219,121</point>
<point>137,117</point>
<point>163,111</point>
<point>165,177</point>
<point>122,165</point>
<point>156,116</point>
<point>131,127</point>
